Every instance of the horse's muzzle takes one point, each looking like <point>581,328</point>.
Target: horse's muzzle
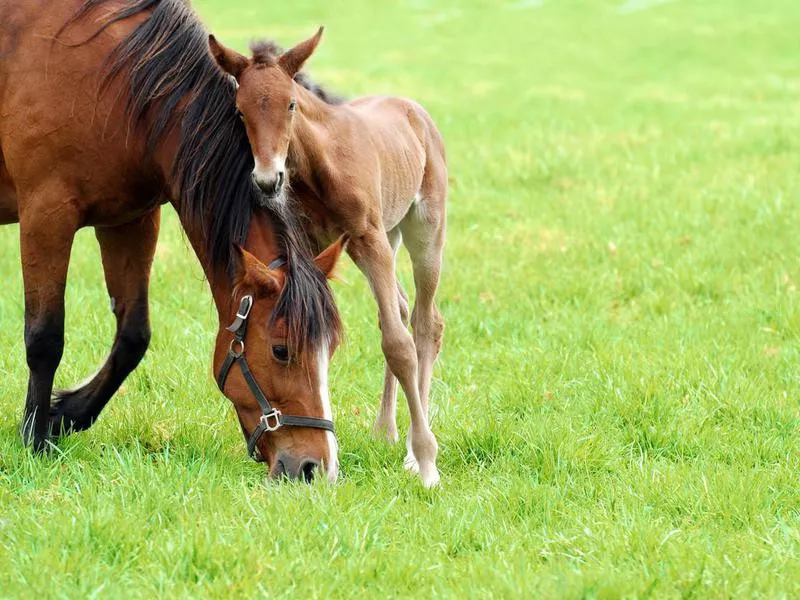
<point>297,468</point>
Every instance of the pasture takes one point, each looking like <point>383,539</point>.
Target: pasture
<point>618,398</point>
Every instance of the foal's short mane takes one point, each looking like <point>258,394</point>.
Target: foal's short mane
<point>171,79</point>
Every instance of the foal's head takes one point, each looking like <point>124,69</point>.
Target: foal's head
<point>290,368</point>
<point>266,101</point>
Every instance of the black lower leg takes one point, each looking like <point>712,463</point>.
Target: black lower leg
<point>44,345</point>
<point>78,409</point>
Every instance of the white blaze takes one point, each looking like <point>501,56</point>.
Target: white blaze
<point>332,462</point>
<point>269,171</point>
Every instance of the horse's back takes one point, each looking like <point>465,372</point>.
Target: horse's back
<point>62,141</point>
<point>400,134</point>
<point>401,119</point>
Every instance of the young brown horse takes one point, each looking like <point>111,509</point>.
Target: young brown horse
<point>108,109</point>
<point>375,169</point>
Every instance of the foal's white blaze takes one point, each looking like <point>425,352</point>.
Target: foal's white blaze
<point>332,462</point>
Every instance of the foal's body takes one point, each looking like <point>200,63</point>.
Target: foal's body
<point>374,169</point>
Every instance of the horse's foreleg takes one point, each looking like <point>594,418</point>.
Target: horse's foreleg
<point>386,423</point>
<point>127,252</point>
<point>374,256</point>
<point>47,229</point>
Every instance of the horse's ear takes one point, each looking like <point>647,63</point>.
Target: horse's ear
<point>250,273</point>
<point>293,60</point>
<point>328,258</point>
<point>228,60</point>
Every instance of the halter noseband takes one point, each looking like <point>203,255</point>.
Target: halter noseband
<point>272,419</point>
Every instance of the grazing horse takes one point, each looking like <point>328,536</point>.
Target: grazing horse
<point>109,109</point>
<point>373,168</point>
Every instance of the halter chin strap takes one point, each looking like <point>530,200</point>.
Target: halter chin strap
<point>272,419</point>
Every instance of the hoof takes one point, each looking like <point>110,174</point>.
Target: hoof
<point>386,432</point>
<point>410,463</point>
<point>430,476</point>
<point>40,444</point>
<point>65,414</point>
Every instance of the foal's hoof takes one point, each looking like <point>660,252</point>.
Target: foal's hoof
<point>65,414</point>
<point>431,480</point>
<point>410,463</point>
<point>386,432</point>
<point>429,475</point>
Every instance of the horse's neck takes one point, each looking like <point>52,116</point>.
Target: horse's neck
<point>261,240</point>
<point>310,136</point>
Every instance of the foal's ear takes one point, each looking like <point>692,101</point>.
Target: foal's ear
<point>228,60</point>
<point>252,274</point>
<point>328,258</point>
<point>293,60</point>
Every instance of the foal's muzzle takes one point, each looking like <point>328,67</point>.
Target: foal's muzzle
<point>271,186</point>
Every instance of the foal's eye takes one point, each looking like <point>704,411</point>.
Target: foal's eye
<point>281,353</point>
<point>292,106</point>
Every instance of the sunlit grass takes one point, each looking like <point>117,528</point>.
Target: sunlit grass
<point>618,399</point>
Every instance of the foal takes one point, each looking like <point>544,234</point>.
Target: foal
<point>373,168</point>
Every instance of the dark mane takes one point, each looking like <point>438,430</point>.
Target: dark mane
<point>172,78</point>
<point>266,52</point>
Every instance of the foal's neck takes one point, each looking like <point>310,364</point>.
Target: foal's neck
<point>308,141</point>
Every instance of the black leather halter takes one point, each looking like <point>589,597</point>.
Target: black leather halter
<point>272,419</point>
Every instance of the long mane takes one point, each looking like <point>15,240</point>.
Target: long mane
<point>171,78</point>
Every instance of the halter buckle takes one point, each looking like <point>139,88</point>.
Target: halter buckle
<point>236,343</point>
<point>241,315</point>
<point>244,307</point>
<point>273,425</point>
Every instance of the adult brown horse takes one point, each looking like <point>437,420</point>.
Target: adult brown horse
<point>108,109</point>
<point>375,169</point>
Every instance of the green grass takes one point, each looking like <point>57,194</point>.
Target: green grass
<point>617,403</point>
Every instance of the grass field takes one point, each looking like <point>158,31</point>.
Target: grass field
<point>618,400</point>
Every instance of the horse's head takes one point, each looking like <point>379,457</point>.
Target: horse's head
<point>277,379</point>
<point>266,101</point>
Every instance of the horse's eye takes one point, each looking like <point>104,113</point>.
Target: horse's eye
<point>292,106</point>
<point>240,114</point>
<point>281,353</point>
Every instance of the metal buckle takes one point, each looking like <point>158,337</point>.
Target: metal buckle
<point>244,307</point>
<point>273,414</point>
<point>236,354</point>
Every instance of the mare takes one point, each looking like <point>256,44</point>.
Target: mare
<point>109,109</point>
<point>373,168</point>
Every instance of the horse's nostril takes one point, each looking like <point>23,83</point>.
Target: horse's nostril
<point>279,181</point>
<point>299,468</point>
<point>308,469</point>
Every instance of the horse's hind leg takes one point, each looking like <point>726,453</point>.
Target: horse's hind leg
<point>423,234</point>
<point>127,252</point>
<point>48,222</point>
<point>386,423</point>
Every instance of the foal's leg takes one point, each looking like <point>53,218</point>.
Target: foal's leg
<point>423,231</point>
<point>386,423</point>
<point>48,222</point>
<point>127,252</point>
<point>374,256</point>
<point>424,237</point>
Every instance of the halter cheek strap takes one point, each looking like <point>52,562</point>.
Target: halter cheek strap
<point>271,419</point>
